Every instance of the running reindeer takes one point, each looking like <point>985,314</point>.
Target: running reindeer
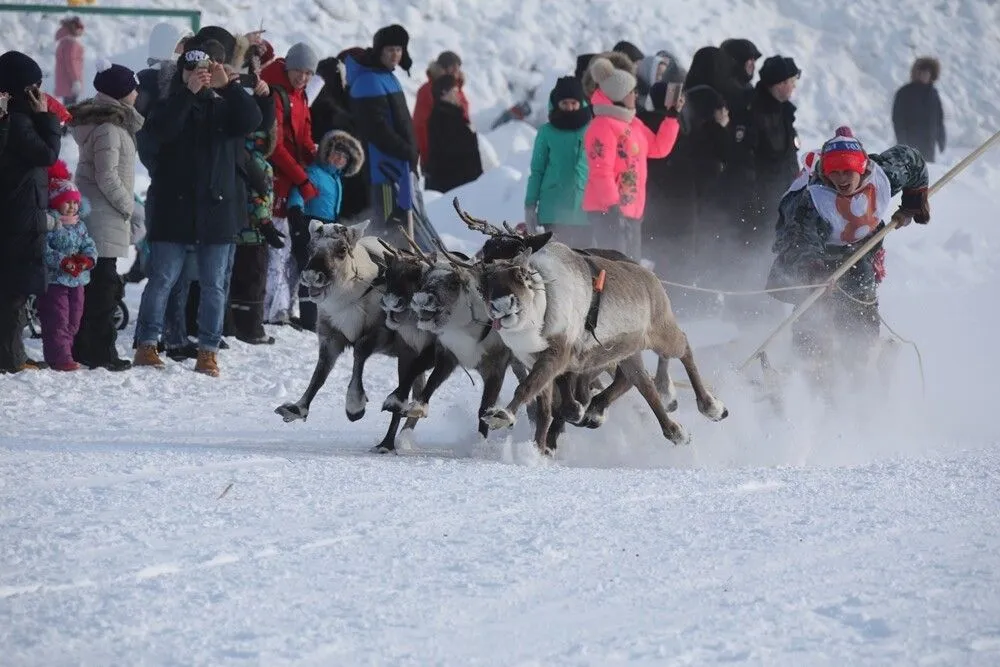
<point>546,303</point>
<point>343,277</point>
<point>578,403</point>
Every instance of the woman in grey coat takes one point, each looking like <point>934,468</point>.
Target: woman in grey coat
<point>104,127</point>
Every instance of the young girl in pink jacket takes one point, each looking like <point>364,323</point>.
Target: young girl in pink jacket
<point>618,145</point>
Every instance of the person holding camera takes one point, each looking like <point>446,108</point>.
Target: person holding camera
<point>33,141</point>
<point>200,129</point>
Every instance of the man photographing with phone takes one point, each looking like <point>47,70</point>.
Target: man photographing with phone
<point>199,130</point>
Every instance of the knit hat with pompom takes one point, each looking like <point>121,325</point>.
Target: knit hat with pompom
<point>843,153</point>
<point>613,82</point>
<point>115,81</point>
<point>61,188</point>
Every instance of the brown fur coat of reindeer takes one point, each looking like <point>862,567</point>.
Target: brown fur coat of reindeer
<point>539,302</point>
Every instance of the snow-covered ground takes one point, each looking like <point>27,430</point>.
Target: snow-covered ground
<point>169,518</point>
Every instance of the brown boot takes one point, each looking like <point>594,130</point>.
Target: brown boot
<point>206,363</point>
<point>146,355</point>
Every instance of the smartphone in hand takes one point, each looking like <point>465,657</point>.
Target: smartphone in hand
<point>672,96</point>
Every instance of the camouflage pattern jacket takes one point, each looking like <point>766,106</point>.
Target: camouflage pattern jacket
<point>804,248</point>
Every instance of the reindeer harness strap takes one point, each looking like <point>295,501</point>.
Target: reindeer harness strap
<point>597,275</point>
<point>379,281</point>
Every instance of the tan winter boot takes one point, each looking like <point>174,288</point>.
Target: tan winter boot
<point>206,363</point>
<point>146,355</point>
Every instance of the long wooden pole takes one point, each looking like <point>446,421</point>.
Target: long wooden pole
<point>864,250</point>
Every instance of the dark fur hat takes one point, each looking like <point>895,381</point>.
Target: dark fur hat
<point>393,35</point>
<point>926,64</point>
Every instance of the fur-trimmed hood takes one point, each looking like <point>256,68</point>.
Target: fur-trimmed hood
<point>102,109</point>
<point>926,64</point>
<point>340,140</point>
<point>619,60</point>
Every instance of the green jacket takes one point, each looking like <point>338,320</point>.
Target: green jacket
<point>558,176</point>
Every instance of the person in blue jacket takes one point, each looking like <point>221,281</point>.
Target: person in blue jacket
<point>339,156</point>
<point>385,126</point>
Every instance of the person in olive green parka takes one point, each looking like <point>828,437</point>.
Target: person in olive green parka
<point>554,195</point>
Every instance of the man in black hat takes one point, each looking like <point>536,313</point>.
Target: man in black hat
<point>386,127</point>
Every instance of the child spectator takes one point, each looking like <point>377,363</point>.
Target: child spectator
<point>70,254</point>
<point>339,156</point>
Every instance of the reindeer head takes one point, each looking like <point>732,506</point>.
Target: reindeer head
<point>502,243</point>
<point>511,287</point>
<point>403,272</point>
<point>334,262</point>
<point>447,295</point>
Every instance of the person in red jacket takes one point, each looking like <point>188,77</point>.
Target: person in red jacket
<point>288,78</point>
<point>447,63</point>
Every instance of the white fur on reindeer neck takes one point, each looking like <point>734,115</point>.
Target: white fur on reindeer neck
<point>462,334</point>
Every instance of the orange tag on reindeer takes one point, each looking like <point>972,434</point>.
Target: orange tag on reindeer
<point>599,281</point>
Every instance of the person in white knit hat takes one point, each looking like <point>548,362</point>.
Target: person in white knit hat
<point>617,146</point>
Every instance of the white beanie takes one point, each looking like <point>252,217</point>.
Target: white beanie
<point>162,42</point>
<point>613,82</point>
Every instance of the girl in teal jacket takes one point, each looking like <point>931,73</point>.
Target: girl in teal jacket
<point>559,168</point>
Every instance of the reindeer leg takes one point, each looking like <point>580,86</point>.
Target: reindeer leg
<point>331,346</point>
<point>597,412</point>
<point>492,384</point>
<point>388,443</point>
<point>356,399</point>
<point>544,420</point>
<point>415,389</point>
<point>571,408</point>
<point>444,364</point>
<point>665,384</point>
<point>635,369</point>
<point>549,363</point>
<point>409,368</point>
<point>556,429</point>
<point>708,404</point>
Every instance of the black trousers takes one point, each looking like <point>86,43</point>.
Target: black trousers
<point>245,316</point>
<point>12,323</point>
<point>94,344</point>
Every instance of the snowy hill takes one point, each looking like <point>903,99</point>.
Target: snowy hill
<point>169,518</point>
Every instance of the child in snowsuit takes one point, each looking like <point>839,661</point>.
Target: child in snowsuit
<point>339,156</point>
<point>821,224</point>
<point>554,196</point>
<point>70,254</point>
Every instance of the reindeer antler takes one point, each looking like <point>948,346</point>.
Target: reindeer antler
<point>476,224</point>
<point>416,248</point>
<point>455,261</point>
<point>392,250</point>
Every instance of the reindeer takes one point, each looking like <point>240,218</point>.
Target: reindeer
<point>448,304</point>
<point>539,302</point>
<point>342,277</point>
<point>578,404</point>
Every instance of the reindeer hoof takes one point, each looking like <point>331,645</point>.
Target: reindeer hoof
<point>713,408</point>
<point>498,418</point>
<point>382,449</point>
<point>355,406</point>
<point>593,418</point>
<point>573,412</point>
<point>417,410</point>
<point>547,451</point>
<point>392,404</point>
<point>291,411</point>
<point>676,434</point>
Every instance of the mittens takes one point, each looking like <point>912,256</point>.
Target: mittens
<point>916,205</point>
<point>84,262</point>
<point>69,265</point>
<point>274,238</point>
<point>308,191</point>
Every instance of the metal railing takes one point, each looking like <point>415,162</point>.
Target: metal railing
<point>192,15</point>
